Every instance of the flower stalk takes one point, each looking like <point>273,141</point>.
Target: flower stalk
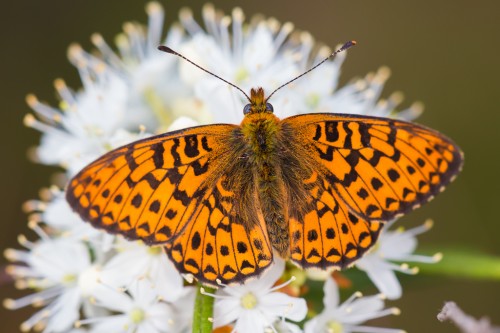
<point>203,310</point>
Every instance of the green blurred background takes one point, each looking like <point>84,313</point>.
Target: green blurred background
<point>443,53</point>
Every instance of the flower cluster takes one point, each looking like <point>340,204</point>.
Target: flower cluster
<point>88,281</point>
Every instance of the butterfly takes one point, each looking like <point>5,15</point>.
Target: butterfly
<point>224,200</point>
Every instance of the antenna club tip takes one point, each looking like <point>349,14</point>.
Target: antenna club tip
<point>348,44</point>
<point>165,48</point>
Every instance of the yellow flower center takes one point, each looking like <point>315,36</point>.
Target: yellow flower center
<point>249,301</point>
<point>334,327</point>
<point>68,279</point>
<point>312,100</point>
<point>154,250</point>
<point>241,74</point>
<point>136,316</point>
<point>155,102</point>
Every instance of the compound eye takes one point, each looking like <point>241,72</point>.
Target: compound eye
<point>269,107</point>
<point>247,109</point>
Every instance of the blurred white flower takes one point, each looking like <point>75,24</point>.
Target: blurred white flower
<point>58,220</point>
<point>140,310</point>
<point>348,316</point>
<point>256,305</point>
<point>135,260</point>
<point>141,86</point>
<point>53,267</point>
<point>394,245</point>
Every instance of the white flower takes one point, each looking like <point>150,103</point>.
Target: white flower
<point>256,305</point>
<point>266,55</point>
<point>53,267</point>
<point>347,317</point>
<point>141,86</point>
<point>121,92</point>
<point>397,245</point>
<point>135,260</point>
<point>139,310</point>
<point>55,212</point>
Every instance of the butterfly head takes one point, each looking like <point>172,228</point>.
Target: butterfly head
<point>258,104</point>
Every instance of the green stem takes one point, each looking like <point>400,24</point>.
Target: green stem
<point>203,311</point>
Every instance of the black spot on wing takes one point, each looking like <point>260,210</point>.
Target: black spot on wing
<point>191,148</point>
<point>159,150</point>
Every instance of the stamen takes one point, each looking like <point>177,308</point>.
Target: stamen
<point>134,34</point>
<point>293,278</point>
<point>225,42</point>
<point>403,268</point>
<point>30,121</point>
<point>95,320</point>
<point>203,292</point>
<point>306,44</point>
<point>33,320</point>
<point>34,205</point>
<point>47,112</point>
<point>415,110</point>
<point>273,24</point>
<point>352,298</point>
<point>107,53</point>
<point>25,242</point>
<point>15,255</point>
<point>188,22</point>
<point>188,277</point>
<point>123,45</point>
<point>238,18</point>
<point>21,273</point>
<point>41,296</point>
<point>424,259</point>
<point>282,35</point>
<point>382,75</point>
<point>353,317</point>
<point>64,92</point>
<point>33,225</point>
<point>209,19</point>
<point>155,24</point>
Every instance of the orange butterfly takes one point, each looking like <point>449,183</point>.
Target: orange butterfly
<point>220,198</point>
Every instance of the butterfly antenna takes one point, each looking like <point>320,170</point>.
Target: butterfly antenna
<point>169,50</point>
<point>343,48</point>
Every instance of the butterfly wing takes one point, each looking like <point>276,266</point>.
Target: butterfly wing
<point>169,189</point>
<point>368,170</point>
<point>219,246</point>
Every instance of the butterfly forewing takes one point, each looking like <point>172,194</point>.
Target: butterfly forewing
<point>151,188</point>
<point>379,167</point>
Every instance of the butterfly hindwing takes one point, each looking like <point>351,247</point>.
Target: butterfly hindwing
<point>329,234</point>
<point>225,249</point>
